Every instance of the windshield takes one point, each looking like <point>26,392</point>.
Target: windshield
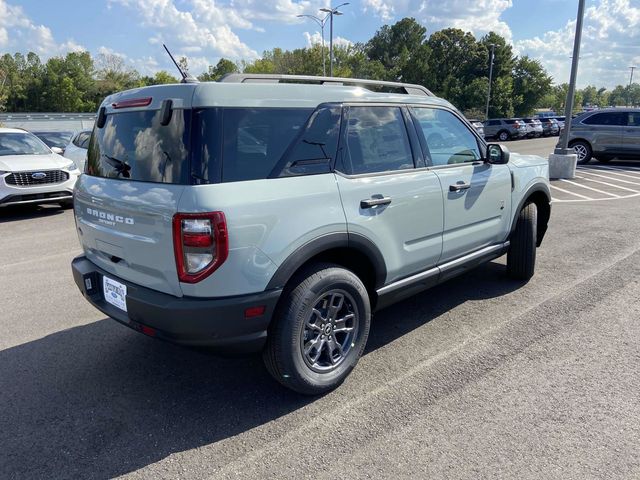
<point>17,143</point>
<point>135,146</point>
<point>54,139</point>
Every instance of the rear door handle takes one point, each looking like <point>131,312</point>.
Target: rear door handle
<point>458,187</point>
<point>373,202</point>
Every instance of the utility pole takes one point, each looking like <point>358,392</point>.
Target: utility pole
<point>629,90</point>
<point>491,57</point>
<point>563,145</point>
<point>321,22</point>
<point>331,12</point>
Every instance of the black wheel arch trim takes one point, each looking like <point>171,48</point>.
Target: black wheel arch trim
<point>325,243</point>
<point>543,217</point>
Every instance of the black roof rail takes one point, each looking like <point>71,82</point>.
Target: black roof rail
<point>405,88</point>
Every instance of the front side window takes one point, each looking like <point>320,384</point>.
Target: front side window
<point>447,138</point>
<point>610,119</point>
<point>21,144</point>
<point>376,141</point>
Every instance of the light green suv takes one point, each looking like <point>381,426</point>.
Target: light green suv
<point>276,213</point>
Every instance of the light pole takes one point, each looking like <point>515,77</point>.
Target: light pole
<point>563,145</point>
<point>629,91</point>
<point>321,22</point>
<point>491,56</point>
<point>331,12</point>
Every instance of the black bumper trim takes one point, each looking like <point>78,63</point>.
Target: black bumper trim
<point>213,322</point>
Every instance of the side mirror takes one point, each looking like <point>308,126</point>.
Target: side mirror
<point>497,154</point>
<point>57,150</point>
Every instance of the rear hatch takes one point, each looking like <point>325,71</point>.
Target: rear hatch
<point>137,169</point>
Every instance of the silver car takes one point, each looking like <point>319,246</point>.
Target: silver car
<point>505,129</point>
<point>606,134</point>
<point>249,214</point>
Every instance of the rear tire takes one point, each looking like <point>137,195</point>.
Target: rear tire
<point>319,331</point>
<point>503,136</point>
<point>521,257</point>
<point>583,150</point>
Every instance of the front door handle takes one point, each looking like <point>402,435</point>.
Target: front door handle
<point>458,187</point>
<point>375,201</point>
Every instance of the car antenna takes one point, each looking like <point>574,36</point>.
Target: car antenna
<point>186,78</point>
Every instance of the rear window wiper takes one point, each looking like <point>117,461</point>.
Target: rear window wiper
<point>120,166</point>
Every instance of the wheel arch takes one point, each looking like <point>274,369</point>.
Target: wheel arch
<point>541,196</point>
<point>353,251</point>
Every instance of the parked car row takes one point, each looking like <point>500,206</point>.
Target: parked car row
<point>71,145</point>
<point>505,129</point>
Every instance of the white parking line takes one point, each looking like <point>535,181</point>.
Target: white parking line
<point>615,179</point>
<point>607,184</point>
<point>614,171</point>
<point>618,167</point>
<point>571,193</point>
<point>589,188</point>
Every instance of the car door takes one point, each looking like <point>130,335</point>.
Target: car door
<point>476,195</point>
<point>605,131</point>
<point>385,197</point>
<point>631,137</point>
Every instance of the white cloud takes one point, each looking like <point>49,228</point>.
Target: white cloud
<point>206,26</point>
<point>316,39</point>
<point>19,33</point>
<point>610,44</point>
<point>476,16</point>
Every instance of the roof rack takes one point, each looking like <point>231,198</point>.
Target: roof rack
<point>405,88</point>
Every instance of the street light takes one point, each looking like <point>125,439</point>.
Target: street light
<point>331,12</point>
<point>563,146</point>
<point>491,57</point>
<point>321,22</point>
<point>629,91</point>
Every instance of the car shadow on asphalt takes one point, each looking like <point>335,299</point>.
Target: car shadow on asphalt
<point>26,212</point>
<point>98,400</point>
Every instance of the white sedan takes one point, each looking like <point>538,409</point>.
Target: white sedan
<point>30,172</point>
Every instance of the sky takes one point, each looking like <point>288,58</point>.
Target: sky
<point>206,30</point>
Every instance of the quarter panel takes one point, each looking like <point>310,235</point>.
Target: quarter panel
<point>267,221</point>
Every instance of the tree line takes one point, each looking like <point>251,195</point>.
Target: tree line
<point>451,63</point>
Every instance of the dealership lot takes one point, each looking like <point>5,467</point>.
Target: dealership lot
<point>478,377</point>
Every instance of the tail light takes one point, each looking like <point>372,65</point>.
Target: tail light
<point>201,244</point>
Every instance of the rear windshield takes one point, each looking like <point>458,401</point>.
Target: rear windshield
<point>135,146</point>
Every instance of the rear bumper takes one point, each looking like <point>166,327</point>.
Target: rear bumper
<point>216,322</point>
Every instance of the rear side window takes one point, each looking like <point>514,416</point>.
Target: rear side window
<point>634,119</point>
<point>256,138</point>
<point>135,146</point>
<point>611,119</point>
<point>493,123</point>
<point>376,140</point>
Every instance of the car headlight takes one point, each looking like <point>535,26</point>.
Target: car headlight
<point>71,167</point>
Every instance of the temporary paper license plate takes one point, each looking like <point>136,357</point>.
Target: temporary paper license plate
<point>115,293</point>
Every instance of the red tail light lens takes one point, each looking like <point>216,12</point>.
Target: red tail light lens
<point>201,244</point>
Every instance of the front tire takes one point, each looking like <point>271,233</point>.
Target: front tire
<point>583,150</point>
<point>320,330</point>
<point>521,257</point>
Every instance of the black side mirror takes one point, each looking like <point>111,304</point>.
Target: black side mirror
<point>497,154</point>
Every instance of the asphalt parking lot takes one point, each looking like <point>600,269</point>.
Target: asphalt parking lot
<point>479,377</point>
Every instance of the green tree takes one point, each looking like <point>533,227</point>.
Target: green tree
<point>223,67</point>
<point>160,78</point>
<point>530,83</point>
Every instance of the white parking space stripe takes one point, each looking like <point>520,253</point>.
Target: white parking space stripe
<point>615,179</point>
<point>613,171</point>
<point>589,188</point>
<point>618,167</point>
<point>571,193</point>
<point>606,183</point>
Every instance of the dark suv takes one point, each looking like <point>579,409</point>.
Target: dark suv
<point>606,134</point>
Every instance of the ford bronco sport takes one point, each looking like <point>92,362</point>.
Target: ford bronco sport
<point>276,213</point>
